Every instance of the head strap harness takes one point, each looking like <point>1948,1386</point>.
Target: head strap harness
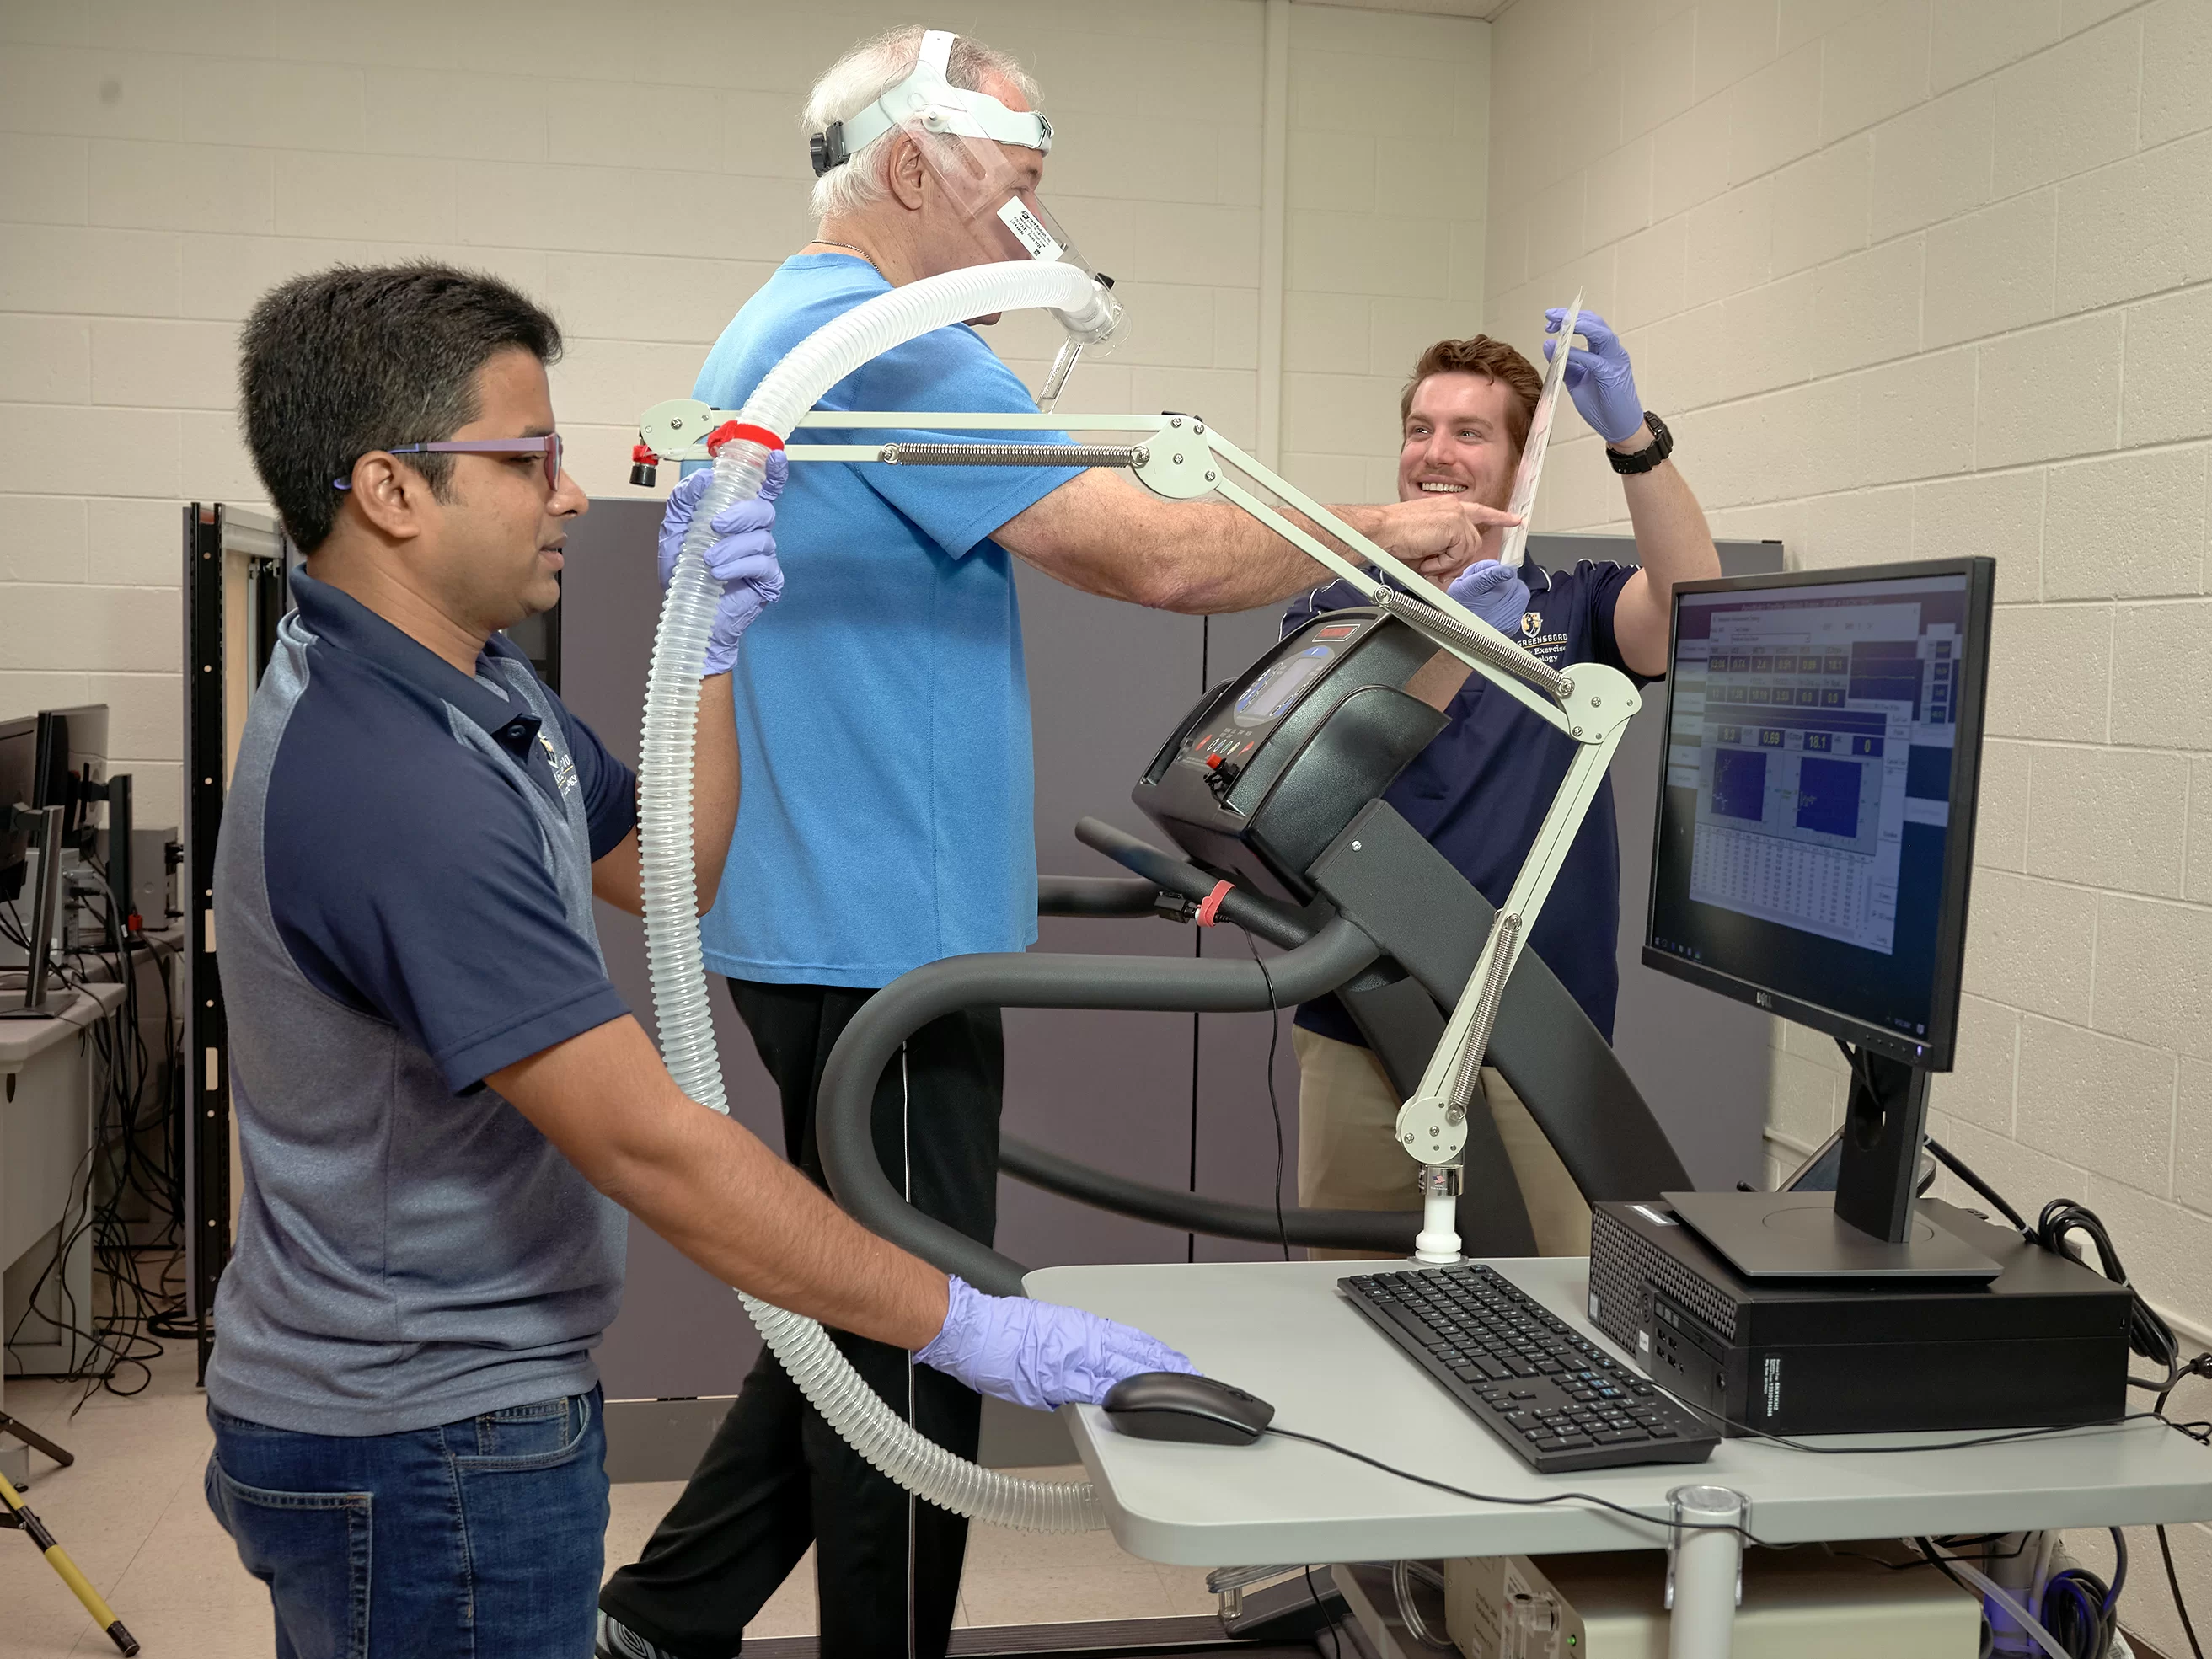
<point>927,99</point>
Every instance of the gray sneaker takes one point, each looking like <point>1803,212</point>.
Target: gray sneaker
<point>618,1641</point>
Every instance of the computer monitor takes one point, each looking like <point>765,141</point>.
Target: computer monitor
<point>19,751</point>
<point>72,769</point>
<point>1816,825</point>
<point>1817,812</point>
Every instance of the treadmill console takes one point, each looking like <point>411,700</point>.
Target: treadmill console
<point>1270,767</point>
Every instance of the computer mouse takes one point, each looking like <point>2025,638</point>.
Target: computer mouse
<point>1175,1406</point>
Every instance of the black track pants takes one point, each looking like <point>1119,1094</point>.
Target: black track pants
<point>777,1478</point>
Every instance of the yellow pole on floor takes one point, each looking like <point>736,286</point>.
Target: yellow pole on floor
<point>58,1558</point>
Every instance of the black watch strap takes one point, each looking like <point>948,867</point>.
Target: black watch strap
<point>1660,446</point>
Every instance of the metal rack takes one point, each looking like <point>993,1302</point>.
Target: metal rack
<point>235,564</point>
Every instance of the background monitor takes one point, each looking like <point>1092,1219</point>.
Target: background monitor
<point>19,750</point>
<point>1816,810</point>
<point>72,769</point>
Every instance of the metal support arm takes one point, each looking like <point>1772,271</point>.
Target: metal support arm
<point>1180,458</point>
<point>1554,837</point>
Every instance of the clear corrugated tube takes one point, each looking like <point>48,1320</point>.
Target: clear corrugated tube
<point>2027,1621</point>
<point>672,925</point>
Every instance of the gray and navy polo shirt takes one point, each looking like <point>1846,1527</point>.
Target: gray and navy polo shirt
<point>403,906</point>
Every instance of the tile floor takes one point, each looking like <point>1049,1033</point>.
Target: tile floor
<point>131,1513</point>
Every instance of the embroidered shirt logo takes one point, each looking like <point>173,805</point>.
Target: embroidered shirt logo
<point>564,768</point>
<point>1550,648</point>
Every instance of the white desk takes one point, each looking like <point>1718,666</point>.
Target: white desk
<point>47,1074</point>
<point>1279,1329</point>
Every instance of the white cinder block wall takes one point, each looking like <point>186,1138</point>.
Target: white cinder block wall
<point>640,171</point>
<point>1935,276</point>
<point>1390,118</point>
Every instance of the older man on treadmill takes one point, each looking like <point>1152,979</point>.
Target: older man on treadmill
<point>883,710</point>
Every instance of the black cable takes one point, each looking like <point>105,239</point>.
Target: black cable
<point>2077,1609</point>
<point>1934,1557</point>
<point>2164,1545</point>
<point>2084,1429</point>
<point>1957,1546</point>
<point>1274,1106</point>
<point>1592,1498</point>
<point>2148,1334</point>
<point>2181,1607</point>
<point>1957,1167</point>
<point>119,1165</point>
<point>1335,1641</point>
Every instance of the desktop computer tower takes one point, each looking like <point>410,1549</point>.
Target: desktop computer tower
<point>2042,1344</point>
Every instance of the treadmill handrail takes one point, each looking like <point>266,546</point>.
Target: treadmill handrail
<point>845,1103</point>
<point>1248,910</point>
<point>1097,895</point>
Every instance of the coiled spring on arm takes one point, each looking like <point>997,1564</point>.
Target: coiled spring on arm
<point>1486,1013</point>
<point>908,454</point>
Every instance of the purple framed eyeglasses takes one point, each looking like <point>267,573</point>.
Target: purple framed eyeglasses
<point>548,446</point>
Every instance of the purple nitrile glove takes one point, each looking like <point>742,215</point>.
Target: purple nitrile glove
<point>742,559</point>
<point>1598,377</point>
<point>1494,593</point>
<point>1039,1354</point>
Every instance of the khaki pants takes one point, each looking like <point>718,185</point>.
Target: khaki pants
<point>1349,1158</point>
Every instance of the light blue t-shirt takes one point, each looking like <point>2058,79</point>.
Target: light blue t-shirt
<point>881,705</point>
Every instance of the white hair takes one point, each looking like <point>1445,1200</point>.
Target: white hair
<point>866,73</point>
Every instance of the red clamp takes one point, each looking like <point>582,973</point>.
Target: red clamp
<point>640,456</point>
<point>730,431</point>
<point>1209,908</point>
<point>643,466</point>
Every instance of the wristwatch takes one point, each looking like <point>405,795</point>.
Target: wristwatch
<point>1660,446</point>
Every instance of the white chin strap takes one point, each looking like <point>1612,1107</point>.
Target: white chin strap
<point>927,99</point>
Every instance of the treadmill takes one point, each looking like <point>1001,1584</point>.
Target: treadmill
<point>1270,794</point>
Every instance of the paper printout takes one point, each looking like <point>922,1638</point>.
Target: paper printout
<point>1539,435</point>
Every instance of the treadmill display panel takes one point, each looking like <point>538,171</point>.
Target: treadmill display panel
<point>1267,697</point>
<point>1238,728</point>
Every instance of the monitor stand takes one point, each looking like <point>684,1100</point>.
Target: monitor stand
<point>45,898</point>
<point>1869,1227</point>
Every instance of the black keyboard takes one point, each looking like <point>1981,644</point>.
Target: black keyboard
<point>1556,1398</point>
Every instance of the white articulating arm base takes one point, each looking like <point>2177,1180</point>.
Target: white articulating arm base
<point>1180,458</point>
<point>1705,1570</point>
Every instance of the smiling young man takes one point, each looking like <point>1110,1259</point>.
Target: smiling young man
<point>444,1108</point>
<point>1480,790</point>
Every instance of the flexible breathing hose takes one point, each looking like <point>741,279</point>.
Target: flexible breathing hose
<point>2031,1626</point>
<point>671,927</point>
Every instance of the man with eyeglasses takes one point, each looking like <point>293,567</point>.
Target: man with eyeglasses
<point>444,1109</point>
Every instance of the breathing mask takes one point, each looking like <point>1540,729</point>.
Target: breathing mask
<point>959,135</point>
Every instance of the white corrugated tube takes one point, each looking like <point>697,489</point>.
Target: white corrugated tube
<point>672,924</point>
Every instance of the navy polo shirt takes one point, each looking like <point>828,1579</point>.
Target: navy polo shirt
<point>1480,791</point>
<point>403,906</point>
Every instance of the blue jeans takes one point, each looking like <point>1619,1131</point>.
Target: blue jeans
<point>477,1539</point>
